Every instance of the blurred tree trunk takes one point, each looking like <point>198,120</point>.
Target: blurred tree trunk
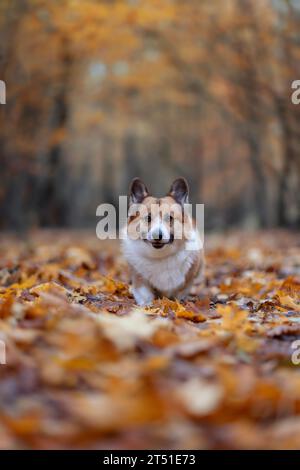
<point>52,201</point>
<point>288,116</point>
<point>288,159</point>
<point>11,199</point>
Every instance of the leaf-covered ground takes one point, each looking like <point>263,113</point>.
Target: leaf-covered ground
<point>87,368</point>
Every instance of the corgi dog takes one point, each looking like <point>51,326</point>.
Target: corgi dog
<point>161,243</point>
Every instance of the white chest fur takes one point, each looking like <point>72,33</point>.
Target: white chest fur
<point>165,274</point>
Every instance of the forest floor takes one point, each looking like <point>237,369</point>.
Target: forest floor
<point>87,368</point>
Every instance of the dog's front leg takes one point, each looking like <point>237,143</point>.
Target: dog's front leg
<point>141,290</point>
<point>143,295</point>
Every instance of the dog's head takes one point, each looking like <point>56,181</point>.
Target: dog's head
<point>159,225</point>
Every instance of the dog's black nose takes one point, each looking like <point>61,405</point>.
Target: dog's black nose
<point>158,235</point>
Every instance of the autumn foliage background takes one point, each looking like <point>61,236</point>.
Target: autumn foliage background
<point>100,91</point>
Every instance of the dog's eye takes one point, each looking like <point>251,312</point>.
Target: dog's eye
<point>169,218</point>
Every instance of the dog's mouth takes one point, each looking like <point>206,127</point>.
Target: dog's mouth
<point>158,244</point>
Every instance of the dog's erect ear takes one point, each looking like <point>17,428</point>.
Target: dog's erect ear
<point>180,191</point>
<point>137,191</point>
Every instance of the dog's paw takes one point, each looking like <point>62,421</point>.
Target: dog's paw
<point>143,295</point>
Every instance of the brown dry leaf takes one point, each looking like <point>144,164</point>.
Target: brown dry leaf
<point>233,318</point>
<point>48,287</point>
<point>200,398</point>
<point>126,331</point>
<point>174,307</point>
<point>287,302</point>
<point>291,286</point>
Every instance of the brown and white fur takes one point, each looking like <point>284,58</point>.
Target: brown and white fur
<point>161,264</point>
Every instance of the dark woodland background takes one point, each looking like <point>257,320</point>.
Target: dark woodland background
<point>101,91</point>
